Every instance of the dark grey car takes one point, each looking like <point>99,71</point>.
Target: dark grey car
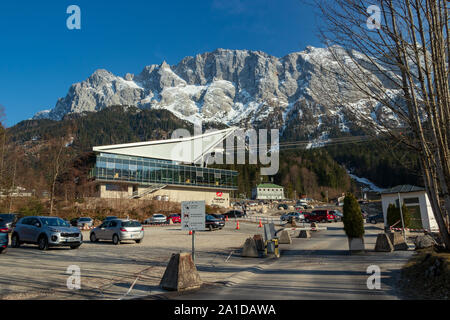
<point>45,232</point>
<point>374,219</point>
<point>118,230</point>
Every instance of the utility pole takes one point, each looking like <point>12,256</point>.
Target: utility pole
<point>193,246</point>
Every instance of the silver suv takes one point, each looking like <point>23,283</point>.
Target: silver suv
<point>45,232</point>
<point>118,230</point>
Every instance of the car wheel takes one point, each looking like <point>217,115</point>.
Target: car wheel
<point>43,242</point>
<point>307,220</point>
<point>116,239</point>
<point>373,221</point>
<point>15,243</point>
<point>75,246</point>
<point>323,221</point>
<point>3,250</point>
<point>138,241</point>
<point>93,238</point>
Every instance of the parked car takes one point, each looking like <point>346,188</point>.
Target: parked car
<point>375,218</point>
<point>218,216</point>
<point>45,232</point>
<point>175,217</point>
<point>81,222</point>
<point>282,206</point>
<point>4,238</point>
<point>339,215</point>
<point>303,206</point>
<point>301,203</point>
<point>298,216</point>
<point>118,230</point>
<point>320,216</point>
<point>157,218</point>
<point>364,214</point>
<point>10,220</point>
<point>234,214</point>
<point>212,223</point>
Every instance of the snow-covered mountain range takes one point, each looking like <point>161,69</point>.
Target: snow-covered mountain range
<point>233,87</point>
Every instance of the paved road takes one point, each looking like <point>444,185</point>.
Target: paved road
<point>316,268</point>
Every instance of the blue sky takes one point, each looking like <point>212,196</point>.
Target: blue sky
<point>40,58</point>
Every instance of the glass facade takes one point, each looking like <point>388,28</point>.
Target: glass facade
<point>112,167</point>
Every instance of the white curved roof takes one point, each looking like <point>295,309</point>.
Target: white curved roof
<point>187,150</point>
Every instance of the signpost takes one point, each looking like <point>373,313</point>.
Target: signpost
<point>193,219</point>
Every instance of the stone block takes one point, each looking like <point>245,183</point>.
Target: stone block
<point>259,242</point>
<point>249,249</point>
<point>383,243</point>
<point>425,241</point>
<point>285,237</point>
<point>181,273</point>
<point>397,241</point>
<point>304,234</point>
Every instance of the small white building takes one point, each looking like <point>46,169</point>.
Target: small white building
<point>417,202</point>
<point>268,191</point>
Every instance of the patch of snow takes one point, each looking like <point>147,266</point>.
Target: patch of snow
<point>370,185</point>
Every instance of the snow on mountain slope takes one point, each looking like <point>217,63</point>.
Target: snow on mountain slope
<point>234,87</point>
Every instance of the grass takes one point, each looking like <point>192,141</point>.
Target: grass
<point>427,275</point>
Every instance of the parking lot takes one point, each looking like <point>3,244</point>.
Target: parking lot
<point>108,271</point>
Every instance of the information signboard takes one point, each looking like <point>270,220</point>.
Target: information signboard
<point>193,215</point>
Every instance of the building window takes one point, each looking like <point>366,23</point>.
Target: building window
<point>411,200</point>
<point>113,187</point>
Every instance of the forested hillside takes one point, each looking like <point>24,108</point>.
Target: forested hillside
<point>315,172</point>
<point>382,161</point>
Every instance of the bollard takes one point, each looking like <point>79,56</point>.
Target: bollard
<point>237,225</point>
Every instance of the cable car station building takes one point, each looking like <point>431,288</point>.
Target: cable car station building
<point>171,170</point>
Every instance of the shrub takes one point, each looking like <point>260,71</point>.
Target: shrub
<point>393,215</point>
<point>34,207</point>
<point>353,219</point>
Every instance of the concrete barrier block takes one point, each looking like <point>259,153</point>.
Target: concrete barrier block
<point>285,237</point>
<point>249,249</point>
<point>304,234</point>
<point>398,241</point>
<point>181,273</point>
<point>259,242</point>
<point>383,243</point>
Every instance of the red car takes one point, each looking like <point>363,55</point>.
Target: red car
<point>320,216</point>
<point>176,218</point>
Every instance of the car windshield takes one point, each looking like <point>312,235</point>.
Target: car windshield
<point>158,216</point>
<point>85,219</point>
<point>130,224</point>
<point>54,222</point>
<point>210,217</point>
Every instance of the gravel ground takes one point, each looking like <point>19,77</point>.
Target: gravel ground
<point>108,271</point>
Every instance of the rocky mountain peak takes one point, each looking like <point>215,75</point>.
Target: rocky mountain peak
<point>234,87</point>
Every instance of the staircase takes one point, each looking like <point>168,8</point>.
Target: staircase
<point>151,189</point>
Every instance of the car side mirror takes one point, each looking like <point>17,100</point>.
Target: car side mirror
<point>37,224</point>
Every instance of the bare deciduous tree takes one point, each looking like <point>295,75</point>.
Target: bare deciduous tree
<point>395,54</point>
<point>57,158</point>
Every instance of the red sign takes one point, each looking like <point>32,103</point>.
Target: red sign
<point>219,194</point>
